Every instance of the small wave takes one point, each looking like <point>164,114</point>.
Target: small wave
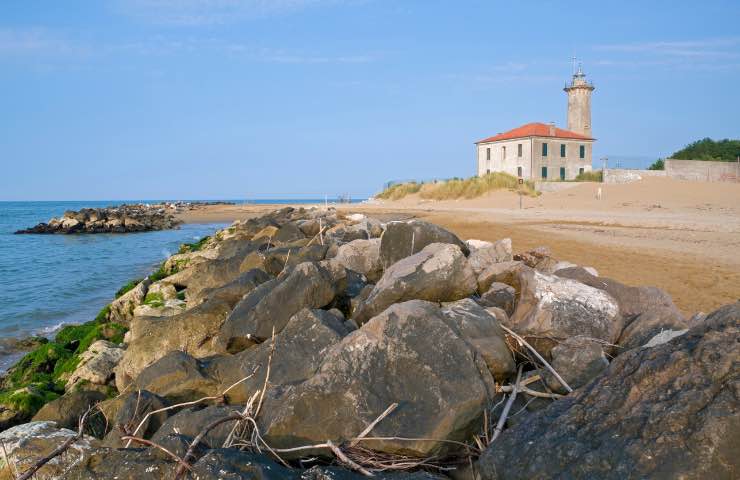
<point>51,329</point>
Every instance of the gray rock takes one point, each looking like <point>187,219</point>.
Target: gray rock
<point>408,349</point>
<point>362,256</point>
<point>484,254</point>
<point>439,273</point>
<point>122,308</point>
<point>192,420</point>
<point>665,412</point>
<point>178,377</point>
<point>551,309</point>
<point>483,332</point>
<point>123,464</point>
<point>578,360</point>
<point>233,291</point>
<point>152,338</point>
<point>96,364</point>
<point>66,410</point>
<point>499,295</point>
<point>272,304</point>
<point>504,272</point>
<point>402,239</point>
<point>125,412</point>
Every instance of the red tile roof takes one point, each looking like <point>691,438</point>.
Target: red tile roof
<point>535,130</point>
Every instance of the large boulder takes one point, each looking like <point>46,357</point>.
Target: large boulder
<point>122,308</point>
<point>124,413</point>
<point>551,309</point>
<point>362,256</point>
<point>24,445</point>
<point>299,350</point>
<point>123,464</point>
<point>152,338</point>
<point>233,291</point>
<point>670,411</point>
<point>178,377</point>
<point>66,410</point>
<point>483,331</point>
<point>499,295</point>
<point>408,354</point>
<point>270,306</point>
<point>279,259</point>
<point>96,364</point>
<point>401,239</point>
<point>503,272</point>
<point>646,310</point>
<point>484,254</point>
<point>577,360</point>
<point>191,421</point>
<point>438,273</point>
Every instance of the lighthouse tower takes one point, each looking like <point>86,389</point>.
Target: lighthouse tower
<point>579,103</point>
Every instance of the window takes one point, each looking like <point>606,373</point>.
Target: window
<point>488,154</point>
<point>519,151</point>
<point>544,149</point>
<point>562,173</point>
<point>503,153</point>
<point>488,171</point>
<point>582,151</point>
<point>519,170</point>
<point>562,150</point>
<point>580,171</point>
<point>544,171</point>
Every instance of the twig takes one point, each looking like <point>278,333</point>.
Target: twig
<point>189,454</point>
<point>11,467</point>
<point>57,451</point>
<point>188,404</point>
<point>502,419</point>
<point>344,459</point>
<point>372,425</point>
<point>149,443</point>
<point>529,391</point>
<point>267,374</point>
<point>539,357</point>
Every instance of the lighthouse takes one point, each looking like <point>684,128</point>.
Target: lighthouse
<point>579,103</point>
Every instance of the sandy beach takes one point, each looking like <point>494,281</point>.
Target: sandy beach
<point>681,236</point>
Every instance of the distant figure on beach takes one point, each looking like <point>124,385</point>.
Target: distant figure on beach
<point>598,194</point>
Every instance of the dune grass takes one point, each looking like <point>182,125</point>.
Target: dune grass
<point>592,176</point>
<point>458,188</point>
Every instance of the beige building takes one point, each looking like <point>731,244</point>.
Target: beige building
<point>540,151</point>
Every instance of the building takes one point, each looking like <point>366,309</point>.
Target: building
<point>540,151</point>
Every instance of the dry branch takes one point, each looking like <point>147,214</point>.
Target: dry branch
<point>502,419</point>
<point>539,357</point>
<point>149,443</point>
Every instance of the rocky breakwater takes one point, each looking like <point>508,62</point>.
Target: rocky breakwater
<point>313,344</point>
<point>120,219</point>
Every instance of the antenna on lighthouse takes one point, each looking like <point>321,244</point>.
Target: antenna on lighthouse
<point>574,64</point>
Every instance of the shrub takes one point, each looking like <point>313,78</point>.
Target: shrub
<point>194,247</point>
<point>399,190</point>
<point>592,176</point>
<point>659,164</point>
<point>460,188</point>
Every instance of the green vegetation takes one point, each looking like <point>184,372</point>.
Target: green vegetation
<point>707,149</point>
<point>128,287</point>
<point>659,164</point>
<point>592,176</point>
<point>27,401</point>
<point>159,274</point>
<point>194,247</point>
<point>103,314</point>
<point>458,188</point>
<point>155,300</point>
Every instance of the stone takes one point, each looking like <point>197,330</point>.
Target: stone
<point>670,411</point>
<point>439,273</point>
<point>551,309</point>
<point>288,233</point>
<point>504,272</point>
<point>122,308</point>
<point>25,444</point>
<point>299,349</point>
<point>483,331</point>
<point>664,337</point>
<point>178,377</point>
<point>212,274</point>
<point>499,295</point>
<point>402,239</point>
<point>577,360</point>
<point>362,256</point>
<point>96,364</point>
<point>123,464</point>
<point>233,291</point>
<point>163,289</point>
<point>156,309</point>
<point>270,306</point>
<point>152,338</point>
<point>66,410</point>
<point>408,349</point>
<point>646,310</point>
<point>126,411</point>
<point>192,420</point>
<point>232,464</point>
<point>279,259</point>
<point>482,256</point>
<point>267,232</point>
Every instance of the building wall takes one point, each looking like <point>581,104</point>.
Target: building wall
<point>505,157</point>
<point>623,175</point>
<point>532,159</point>
<point>553,161</point>
<point>699,170</point>
<point>579,110</point>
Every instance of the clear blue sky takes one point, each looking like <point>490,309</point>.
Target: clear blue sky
<point>252,98</point>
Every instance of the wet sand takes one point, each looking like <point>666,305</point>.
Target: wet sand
<point>683,237</point>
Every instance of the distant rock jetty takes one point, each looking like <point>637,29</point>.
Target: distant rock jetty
<point>121,219</point>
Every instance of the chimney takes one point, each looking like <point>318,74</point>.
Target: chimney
<point>552,129</point>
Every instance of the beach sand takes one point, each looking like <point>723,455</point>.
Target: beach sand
<point>683,237</point>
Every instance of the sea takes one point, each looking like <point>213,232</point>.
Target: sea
<point>48,281</point>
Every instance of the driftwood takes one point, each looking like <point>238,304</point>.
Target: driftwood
<point>502,419</point>
<point>539,357</point>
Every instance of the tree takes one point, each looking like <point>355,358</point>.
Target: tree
<point>657,165</point>
<point>707,149</point>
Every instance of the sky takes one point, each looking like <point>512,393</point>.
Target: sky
<point>213,99</point>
